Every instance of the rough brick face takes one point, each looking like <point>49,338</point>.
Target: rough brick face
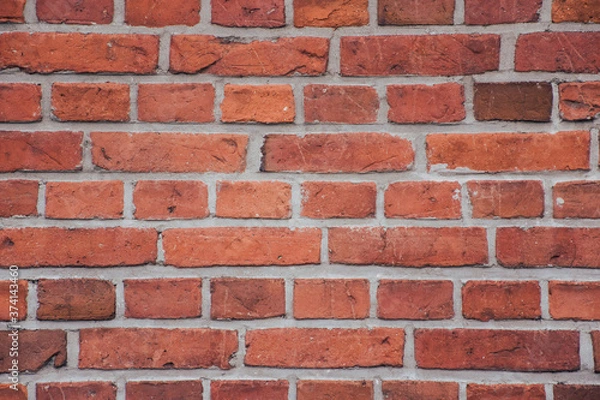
<point>8,392</point>
<point>331,299</point>
<point>163,298</point>
<point>76,390</point>
<point>86,12</point>
<point>12,11</point>
<point>579,101</point>
<point>575,11</point>
<point>18,197</point>
<point>157,13</point>
<point>419,104</point>
<point>506,199</point>
<point>334,390</point>
<point>579,199</point>
<point>254,199</point>
<point>340,104</point>
<point>84,200</point>
<point>415,300</point>
<point>498,300</point>
<point>249,390</point>
<point>90,102</point>
<point>50,349</point>
<point>419,390</point>
<point>596,344</point>
<point>166,390</point>
<point>503,392</point>
<point>578,301</point>
<point>267,104</point>
<point>407,12</point>
<point>185,102</point>
<point>576,392</point>
<point>423,200</point>
<point>483,12</point>
<point>20,102</point>
<point>248,13</point>
<point>338,199</point>
<point>521,101</point>
<point>243,299</point>
<point>7,291</point>
<point>164,200</point>
<point>333,14</point>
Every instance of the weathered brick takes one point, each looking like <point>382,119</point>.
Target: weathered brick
<point>249,390</point>
<point>576,11</point>
<point>8,290</point>
<point>578,301</point>
<point>331,298</point>
<point>423,200</point>
<point>579,101</point>
<point>408,247</point>
<point>324,348</point>
<point>576,392</point>
<point>164,200</point>
<point>18,197</point>
<point>76,390</point>
<point>156,348</point>
<point>267,104</point>
<point>12,11</point>
<point>328,153</point>
<point>596,345</point>
<point>58,247</point>
<point>482,12</point>
<point>40,151</point>
<point>254,199</point>
<point>340,104</point>
<point>84,12</point>
<point>169,152</point>
<point>501,350</point>
<point>163,298</point>
<point>7,391</point>
<point>75,300</point>
<point>577,199</point>
<point>558,52</point>
<point>499,300</point>
<point>545,246</point>
<point>419,390</point>
<point>50,348</point>
<point>505,392</point>
<point>334,390</point>
<point>242,299</point>
<point>408,12</point>
<point>419,104</point>
<point>338,199</point>
<point>518,101</point>
<point>204,247</point>
<point>164,390</point>
<point>426,55</point>
<point>90,101</point>
<point>20,102</point>
<point>158,13</point>
<point>415,300</point>
<point>46,52</point>
<point>509,152</point>
<point>506,199</point>
<point>220,56</point>
<point>248,13</point>
<point>84,200</point>
<point>332,14</point>
<point>176,102</point>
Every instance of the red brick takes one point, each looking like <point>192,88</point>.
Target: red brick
<point>20,102</point>
<point>419,390</point>
<point>596,344</point>
<point>47,52</point>
<point>58,247</point>
<point>515,101</point>
<point>334,390</point>
<point>75,300</point>
<point>509,152</point>
<point>18,197</point>
<point>82,12</point>
<point>482,12</point>
<point>164,390</point>
<point>40,151</point>
<point>558,52</point>
<point>331,298</point>
<point>7,392</point>
<point>163,200</point>
<point>332,14</point>
<point>338,199</point>
<point>324,348</point>
<point>501,350</point>
<point>576,11</point>
<point>415,300</point>
<point>243,299</point>
<point>8,290</point>
<point>267,104</point>
<point>12,11</point>
<point>499,300</point>
<point>156,348</point>
<point>221,56</point>
<point>254,199</point>
<point>426,55</point>
<point>409,12</point>
<point>506,199</point>
<point>84,200</point>
<point>157,13</point>
<point>340,104</point>
<point>177,102</point>
<point>429,200</point>
<point>248,13</point>
<point>345,152</point>
<point>76,390</point>
<point>163,298</point>
<point>90,101</point>
<point>505,392</point>
<point>545,247</point>
<point>204,247</point>
<point>169,152</point>
<point>419,104</point>
<point>579,101</point>
<point>408,247</point>
<point>578,301</point>
<point>579,199</point>
<point>249,390</point>
<point>576,392</point>
<point>50,348</point>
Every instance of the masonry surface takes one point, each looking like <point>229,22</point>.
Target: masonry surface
<point>301,199</point>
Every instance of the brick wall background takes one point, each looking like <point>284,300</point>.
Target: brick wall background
<point>259,199</point>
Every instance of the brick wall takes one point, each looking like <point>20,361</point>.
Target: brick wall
<point>301,199</point>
